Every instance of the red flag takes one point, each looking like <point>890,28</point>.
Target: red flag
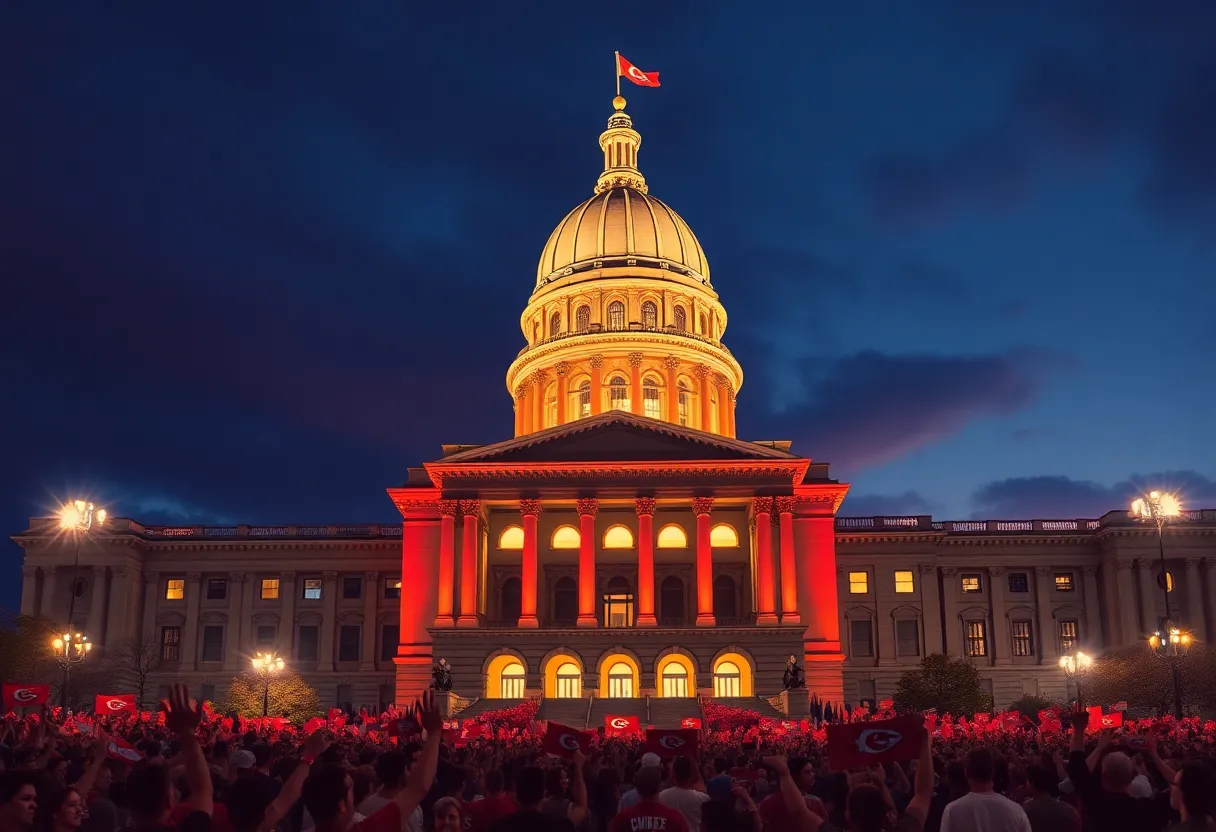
<point>333,713</point>
<point>114,703</point>
<point>1112,720</point>
<point>886,704</point>
<point>622,726</point>
<point>1095,717</point>
<point>628,70</point>
<point>672,743</point>
<point>17,695</point>
<point>1010,720</point>
<point>881,741</point>
<point>931,722</point>
<point>983,719</point>
<point>472,730</point>
<point>691,722</point>
<point>563,742</point>
<point>121,750</point>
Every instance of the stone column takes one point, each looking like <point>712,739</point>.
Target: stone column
<point>1194,597</point>
<point>446,585</point>
<point>672,409</point>
<point>1124,603</point>
<point>588,508</point>
<point>563,391</point>
<point>702,374</point>
<point>151,602</point>
<point>527,406</point>
<point>95,627</point>
<point>728,396</point>
<point>1092,635</point>
<point>645,510</point>
<point>539,379</point>
<point>954,633</point>
<point>471,516</point>
<point>701,507</point>
<point>246,640</point>
<point>529,510</point>
<point>597,384</point>
<point>766,578</point>
<point>371,622</point>
<point>190,636</point>
<point>1148,601</point>
<point>521,409</point>
<point>723,404</point>
<point>232,654</point>
<point>285,637</point>
<point>635,383</point>
<point>122,608</point>
<point>1002,646</point>
<point>29,590</point>
<point>49,608</point>
<point>789,569</point>
<point>1210,575</point>
<point>931,608</point>
<point>1044,586</point>
<point>329,621</point>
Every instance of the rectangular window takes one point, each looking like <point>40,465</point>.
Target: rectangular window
<point>207,693</point>
<point>348,642</point>
<point>1023,646</point>
<point>1063,582</point>
<point>213,643</point>
<point>1018,582</point>
<point>650,403</point>
<point>175,589</point>
<point>312,589</point>
<point>859,583</point>
<point>977,643</point>
<point>861,636</point>
<point>171,644</point>
<point>352,587</point>
<point>217,589</point>
<point>907,637</point>
<point>270,589</point>
<point>265,637</point>
<point>971,583</point>
<point>390,636</point>
<point>903,581</point>
<point>1068,636</point>
<point>309,647</point>
<point>392,588</point>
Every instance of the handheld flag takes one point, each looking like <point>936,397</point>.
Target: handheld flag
<point>121,750</point>
<point>637,76</point>
<point>563,742</point>
<point>112,704</point>
<point>17,695</point>
<point>859,744</point>
<point>691,722</point>
<point>622,726</point>
<point>672,743</point>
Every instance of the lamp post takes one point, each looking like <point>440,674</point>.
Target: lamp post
<point>77,518</point>
<point>265,665</point>
<point>1075,667</point>
<point>1170,641</point>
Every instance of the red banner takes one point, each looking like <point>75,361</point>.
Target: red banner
<point>622,726</point>
<point>563,742</point>
<point>17,695</point>
<point>114,703</point>
<point>691,722</point>
<point>869,743</point>
<point>672,743</point>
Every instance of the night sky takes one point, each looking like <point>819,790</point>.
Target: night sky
<point>258,258</point>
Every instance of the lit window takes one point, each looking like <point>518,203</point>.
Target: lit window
<point>650,315</point>
<point>618,604</point>
<point>584,400</point>
<point>723,535</point>
<point>392,588</point>
<point>620,681</point>
<point>270,589</point>
<point>903,581</point>
<point>616,315</point>
<point>512,537</point>
<point>175,589</point>
<point>681,319</point>
<point>618,394</point>
<point>582,319</point>
<point>569,682</point>
<point>859,583</point>
<point>1064,582</point>
<point>1022,645</point>
<point>971,583</point>
<point>685,404</point>
<point>977,643</point>
<point>1068,636</point>
<point>727,680</point>
<point>312,589</point>
<point>511,681</point>
<point>1018,582</point>
<point>565,537</point>
<point>1169,581</point>
<point>555,324</point>
<point>618,537</point>
<point>672,536</point>
<point>551,406</point>
<point>675,680</point>
<point>650,400</point>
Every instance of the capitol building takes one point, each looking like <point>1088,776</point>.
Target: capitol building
<point>624,551</point>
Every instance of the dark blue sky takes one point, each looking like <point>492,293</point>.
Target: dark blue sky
<point>260,257</point>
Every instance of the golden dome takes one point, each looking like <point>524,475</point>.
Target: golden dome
<point>625,224</point>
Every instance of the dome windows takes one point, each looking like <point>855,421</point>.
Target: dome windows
<point>618,394</point>
<point>618,537</point>
<point>650,315</point>
<point>582,319</point>
<point>512,537</point>
<point>681,319</point>
<point>583,400</point>
<point>616,316</point>
<point>555,324</point>
<point>724,536</point>
<point>566,537</point>
<point>651,404</point>
<point>672,536</point>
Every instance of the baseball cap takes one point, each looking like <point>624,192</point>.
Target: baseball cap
<point>651,759</point>
<point>242,759</point>
<point>720,787</point>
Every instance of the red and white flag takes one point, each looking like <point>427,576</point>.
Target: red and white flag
<point>563,741</point>
<point>691,722</point>
<point>121,750</point>
<point>17,695</point>
<point>112,704</point>
<point>622,726</point>
<point>675,742</point>
<point>860,744</point>
<point>637,76</point>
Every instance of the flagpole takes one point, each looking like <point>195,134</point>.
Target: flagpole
<point>616,70</point>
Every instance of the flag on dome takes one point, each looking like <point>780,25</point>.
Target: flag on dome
<point>637,76</point>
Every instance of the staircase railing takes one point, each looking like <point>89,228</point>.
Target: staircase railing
<point>457,703</point>
<point>590,705</point>
<point>648,719</point>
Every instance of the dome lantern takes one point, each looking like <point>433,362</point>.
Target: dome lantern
<point>620,143</point>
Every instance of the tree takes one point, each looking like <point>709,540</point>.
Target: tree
<point>1029,706</point>
<point>952,686</point>
<point>1135,675</point>
<point>290,696</point>
<point>25,650</point>
<point>132,662</point>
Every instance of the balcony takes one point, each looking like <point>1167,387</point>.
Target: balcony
<point>635,326</point>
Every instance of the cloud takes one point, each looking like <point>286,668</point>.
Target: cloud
<point>1047,497</point>
<point>886,505</point>
<point>1067,105</point>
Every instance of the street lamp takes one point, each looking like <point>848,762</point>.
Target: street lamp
<point>1170,642</point>
<point>265,665</point>
<point>1075,667</point>
<point>76,517</point>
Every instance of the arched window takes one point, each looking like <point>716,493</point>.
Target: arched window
<point>512,537</point>
<point>536,336</point>
<point>681,319</point>
<point>618,537</point>
<point>672,536</point>
<point>725,604</point>
<point>704,324</point>
<point>618,394</point>
<point>650,315</point>
<point>671,601</point>
<point>555,324</point>
<point>584,400</point>
<point>582,319</point>
<point>566,537</point>
<point>569,682</point>
<point>565,602</point>
<point>651,406</point>
<point>616,315</point>
<point>675,680</point>
<point>79,586</point>
<point>511,684</point>
<point>723,535</point>
<point>618,603</point>
<point>727,680</point>
<point>685,404</point>
<point>509,600</point>
<point>620,681</point>
<point>551,406</point>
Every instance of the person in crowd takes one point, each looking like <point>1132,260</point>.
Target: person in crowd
<point>648,813</point>
<point>687,795</point>
<point>448,814</point>
<point>529,794</point>
<point>983,809</point>
<point>484,812</point>
<point>18,801</point>
<point>1043,809</point>
<point>1106,798</point>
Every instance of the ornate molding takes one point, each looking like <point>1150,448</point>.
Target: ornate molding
<point>996,571</point>
<point>236,577</point>
<point>702,505</point>
<point>587,506</point>
<point>1145,565</point>
<point>371,577</point>
<point>529,508</point>
<point>671,362</point>
<point>635,359</point>
<point>1089,571</point>
<point>562,368</point>
<point>1193,563</point>
<point>539,377</point>
<point>287,576</point>
<point>449,507</point>
<point>470,508</point>
<point>925,568</point>
<point>762,505</point>
<point>524,385</point>
<point>1042,571</point>
<point>329,577</point>
<point>118,571</point>
<point>596,362</point>
<point>785,505</point>
<point>950,571</point>
<point>701,371</point>
<point>520,390</point>
<point>1123,565</point>
<point>644,506</point>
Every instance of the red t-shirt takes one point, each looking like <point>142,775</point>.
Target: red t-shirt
<point>481,814</point>
<point>775,816</point>
<point>648,816</point>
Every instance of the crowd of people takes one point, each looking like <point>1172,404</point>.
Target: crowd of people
<point>188,771</point>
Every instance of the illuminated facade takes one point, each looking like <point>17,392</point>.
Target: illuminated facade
<point>623,545</point>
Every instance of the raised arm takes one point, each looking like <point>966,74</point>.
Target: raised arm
<point>183,720</point>
<point>795,801</point>
<point>577,812</point>
<point>918,806</point>
<point>422,775</point>
<point>314,747</point>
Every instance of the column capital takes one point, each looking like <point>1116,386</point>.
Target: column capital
<point>151,577</point>
<point>371,577</point>
<point>29,570</point>
<point>194,577</point>
<point>671,362</point>
<point>701,371</point>
<point>997,571</point>
<point>949,571</point>
<point>520,390</point>
<point>926,568</point>
<point>587,506</point>
<point>644,506</point>
<point>1122,565</point>
<point>330,577</point>
<point>49,569</point>
<point>721,382</point>
<point>785,505</point>
<point>762,505</point>
<point>1193,563</point>
<point>287,576</point>
<point>99,571</point>
<point>1042,571</point>
<point>702,505</point>
<point>236,577</point>
<point>539,377</point>
<point>596,362</point>
<point>635,359</point>
<point>524,386</point>
<point>118,571</point>
<point>470,508</point>
<point>449,507</point>
<point>1089,571</point>
<point>562,368</point>
<point>529,508</point>
<point>1145,565</point>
